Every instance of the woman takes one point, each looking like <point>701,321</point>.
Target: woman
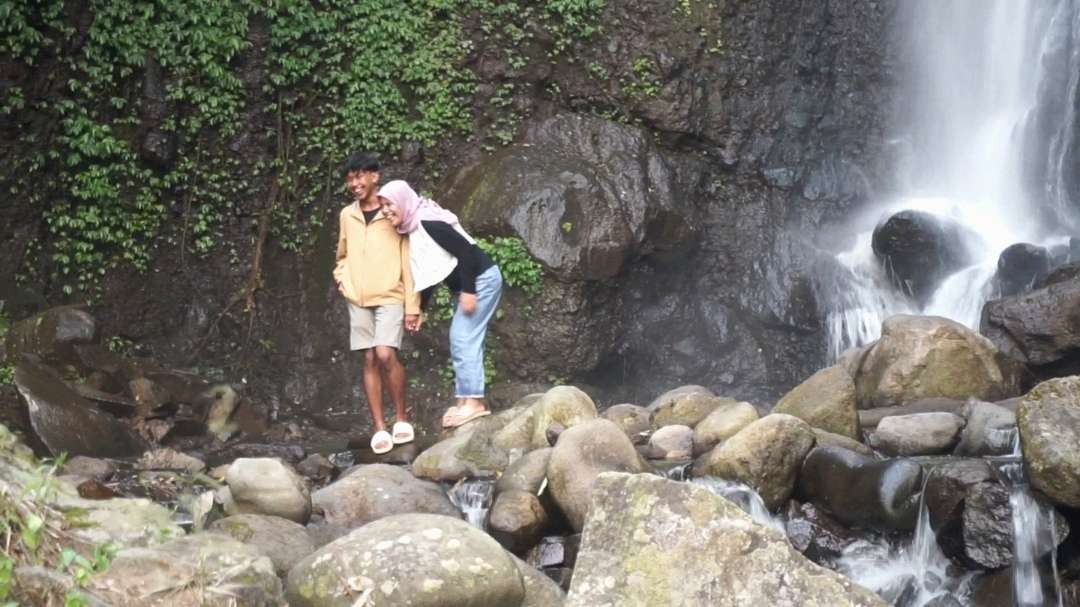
<point>441,251</point>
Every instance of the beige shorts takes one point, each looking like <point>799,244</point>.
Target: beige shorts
<point>377,326</point>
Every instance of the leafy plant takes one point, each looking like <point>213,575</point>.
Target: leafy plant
<point>518,267</point>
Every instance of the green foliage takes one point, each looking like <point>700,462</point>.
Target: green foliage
<point>645,82</point>
<point>518,267</point>
<point>7,372</point>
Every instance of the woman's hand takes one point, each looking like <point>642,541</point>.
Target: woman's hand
<point>467,301</point>
<point>413,322</point>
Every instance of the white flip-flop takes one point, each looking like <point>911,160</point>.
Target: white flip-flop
<point>403,433</point>
<point>382,437</point>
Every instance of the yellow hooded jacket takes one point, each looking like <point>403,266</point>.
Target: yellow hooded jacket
<point>373,262</point>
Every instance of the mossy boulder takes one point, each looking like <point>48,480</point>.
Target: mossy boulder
<point>826,400</point>
<point>566,406</point>
<point>1049,422</point>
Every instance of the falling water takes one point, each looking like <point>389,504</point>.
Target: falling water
<point>989,122</point>
<point>743,496</point>
<point>473,498</point>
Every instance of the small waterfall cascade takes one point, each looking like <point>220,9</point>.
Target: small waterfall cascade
<point>987,123</point>
<point>746,498</point>
<point>911,574</point>
<point>473,498</point>
<point>1034,532</point>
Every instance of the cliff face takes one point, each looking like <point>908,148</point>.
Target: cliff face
<point>672,172</point>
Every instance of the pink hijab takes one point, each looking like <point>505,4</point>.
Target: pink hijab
<point>414,208</point>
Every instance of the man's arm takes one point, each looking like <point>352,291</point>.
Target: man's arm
<point>342,252</point>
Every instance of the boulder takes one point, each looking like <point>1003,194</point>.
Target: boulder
<point>687,409</point>
<point>284,541</point>
<point>765,455</point>
<point>316,467</point>
<point>471,452</point>
<point>826,400</point>
<point>917,434</point>
<point>1020,266</point>
<point>989,430</point>
<point>635,421</point>
<point>89,467</point>
<point>723,423</point>
<point>828,439</point>
<point>517,520</point>
<point>421,560</point>
<point>201,569</point>
<point>651,541</point>
<point>1040,329</point>
<point>926,356</point>
<point>540,590</point>
<point>672,442</point>
<point>1049,423</point>
<point>918,250</point>
<point>267,486</point>
<point>816,534</point>
<point>516,435</point>
<point>169,459</point>
<point>68,423</point>
<point>862,491</point>
<point>581,454</point>
<point>527,473</point>
<point>869,418</point>
<point>374,491</point>
<point>667,398</point>
<point>51,335</point>
<point>566,406</point>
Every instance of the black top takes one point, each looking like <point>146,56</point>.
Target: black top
<point>472,260</point>
<point>369,216</point>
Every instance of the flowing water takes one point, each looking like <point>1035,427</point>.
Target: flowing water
<point>473,498</point>
<point>746,498</point>
<point>987,119</point>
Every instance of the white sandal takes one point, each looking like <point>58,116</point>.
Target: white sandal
<point>403,433</point>
<point>382,442</point>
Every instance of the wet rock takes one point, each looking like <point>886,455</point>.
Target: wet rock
<point>917,434</point>
<point>563,405</point>
<point>147,394</point>
<point>1040,329</point>
<point>89,467</point>
<point>687,409</point>
<point>554,551</point>
<point>540,590</point>
<point>765,455</point>
<point>668,398</point>
<point>987,526</point>
<point>828,439</point>
<point>869,418</point>
<point>516,435</point>
<point>989,430</point>
<point>815,534</point>
<point>51,335</point>
<point>826,400</point>
<point>672,442</point>
<point>527,473</point>
<point>371,492</point>
<point>1049,423</point>
<point>1020,266</point>
<point>267,486</point>
<point>470,452</point>
<point>582,453</point>
<point>517,520</point>
<point>200,569</point>
<point>423,560</point>
<point>291,454</point>
<point>652,541</point>
<point>947,486</point>
<point>316,467</point>
<point>723,423</point>
<point>169,459</point>
<point>635,421</point>
<point>919,250</point>
<point>926,356</point>
<point>95,490</point>
<point>66,422</point>
<point>284,541</point>
<point>862,491</point>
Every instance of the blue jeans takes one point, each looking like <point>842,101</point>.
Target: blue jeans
<point>467,332</point>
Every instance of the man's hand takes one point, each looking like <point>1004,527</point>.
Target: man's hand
<point>413,322</point>
<point>468,302</point>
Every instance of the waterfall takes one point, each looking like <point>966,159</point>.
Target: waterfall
<point>744,497</point>
<point>987,114</point>
<point>473,498</point>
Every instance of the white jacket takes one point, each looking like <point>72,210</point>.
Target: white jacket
<point>429,262</point>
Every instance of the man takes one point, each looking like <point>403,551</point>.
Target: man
<point>373,274</point>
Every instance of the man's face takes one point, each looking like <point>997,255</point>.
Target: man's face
<point>362,183</point>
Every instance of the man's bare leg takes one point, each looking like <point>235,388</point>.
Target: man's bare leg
<point>373,388</point>
<point>395,379</point>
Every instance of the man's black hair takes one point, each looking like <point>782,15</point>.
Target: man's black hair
<point>361,161</point>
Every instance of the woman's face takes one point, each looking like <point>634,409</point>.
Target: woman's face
<point>390,211</point>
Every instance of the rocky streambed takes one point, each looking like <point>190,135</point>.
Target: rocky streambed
<point>919,470</point>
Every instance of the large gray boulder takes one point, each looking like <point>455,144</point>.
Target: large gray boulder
<point>421,560</point>
<point>1040,329</point>
<point>687,409</point>
<point>651,541</point>
<point>263,485</point>
<point>51,335</point>
<point>724,422</point>
<point>284,541</point>
<point>989,430</point>
<point>917,434</point>
<point>374,491</point>
<point>635,421</point>
<point>826,400</point>
<point>859,490</point>
<point>470,452</point>
<point>566,406</point>
<point>927,356</point>
<point>202,569</point>
<point>766,455</point>
<point>582,453</point>
<point>540,590</point>
<point>919,249</point>
<point>67,422</point>
<point>527,473</point>
<point>517,520</point>
<point>1049,423</point>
